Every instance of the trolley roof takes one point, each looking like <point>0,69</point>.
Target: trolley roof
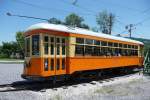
<point>76,30</point>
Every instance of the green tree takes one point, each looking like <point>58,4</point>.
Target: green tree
<point>84,26</point>
<point>75,21</point>
<point>95,29</point>
<point>55,21</point>
<point>8,48</point>
<point>20,42</point>
<point>20,39</point>
<point>105,21</point>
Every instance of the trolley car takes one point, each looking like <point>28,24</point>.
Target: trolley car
<point>58,50</point>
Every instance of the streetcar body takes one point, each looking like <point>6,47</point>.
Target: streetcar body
<point>57,50</point>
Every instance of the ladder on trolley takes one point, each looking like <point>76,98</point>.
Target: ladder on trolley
<point>146,63</point>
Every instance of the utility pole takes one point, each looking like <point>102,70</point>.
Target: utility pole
<point>129,28</point>
<point>110,19</point>
<point>110,23</point>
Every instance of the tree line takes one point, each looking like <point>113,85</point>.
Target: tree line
<point>105,22</point>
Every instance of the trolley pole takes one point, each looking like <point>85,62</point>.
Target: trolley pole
<point>130,29</point>
<point>9,14</point>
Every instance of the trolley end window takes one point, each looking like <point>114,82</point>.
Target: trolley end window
<point>35,45</point>
<point>27,44</point>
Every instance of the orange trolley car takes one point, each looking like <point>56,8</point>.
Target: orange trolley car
<point>57,50</point>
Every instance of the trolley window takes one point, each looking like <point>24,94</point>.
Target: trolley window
<point>79,50</point>
<point>115,44</point>
<point>63,63</point>
<point>52,49</point>
<point>46,48</point>
<point>46,45</point>
<point>96,42</point>
<point>52,64</point>
<point>58,64</point>
<point>104,43</point>
<point>88,50</point>
<point>63,49</point>
<point>35,45</point>
<point>27,44</point>
<point>80,40</point>
<point>88,41</point>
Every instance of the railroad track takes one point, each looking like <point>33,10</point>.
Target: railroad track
<point>38,86</point>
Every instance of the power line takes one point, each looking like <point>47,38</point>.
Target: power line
<point>142,21</point>
<point>60,10</point>
<point>121,6</point>
<point>145,11</point>
<point>55,10</point>
<point>78,6</point>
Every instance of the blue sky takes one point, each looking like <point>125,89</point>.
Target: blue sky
<point>126,11</point>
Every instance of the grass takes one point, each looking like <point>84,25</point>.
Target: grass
<point>104,90</point>
<point>57,97</point>
<point>11,61</point>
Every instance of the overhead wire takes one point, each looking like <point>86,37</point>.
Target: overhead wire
<point>90,12</point>
<point>55,10</point>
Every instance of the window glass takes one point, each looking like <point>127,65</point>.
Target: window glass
<point>80,40</point>
<point>46,48</point>
<point>115,44</point>
<point>136,52</point>
<point>120,52</point>
<point>58,40</point>
<point>58,64</point>
<point>58,49</point>
<point>129,52</point>
<point>105,51</point>
<point>125,45</point>
<point>88,50</point>
<point>116,52</point>
<point>88,41</point>
<point>79,50</point>
<point>129,46</point>
<point>45,38</point>
<point>52,49</point>
<point>102,52</point>
<point>52,64</point>
<point>96,51</point>
<point>103,43</point>
<point>52,39</point>
<point>63,40</point>
<point>63,63</point>
<point>63,49</point>
<point>35,45</point>
<point>133,46</point>
<point>136,47</point>
<point>96,42</point>
<point>109,52</point>
<point>110,44</point>
<point>27,47</point>
<point>120,44</point>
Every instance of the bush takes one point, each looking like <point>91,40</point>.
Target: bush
<point>3,56</point>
